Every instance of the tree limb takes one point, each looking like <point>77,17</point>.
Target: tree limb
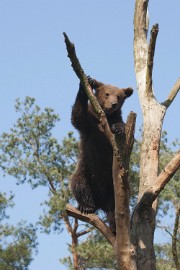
<point>172,94</point>
<point>84,232</point>
<point>75,226</point>
<point>150,60</point>
<point>67,223</point>
<point>93,220</point>
<point>130,128</point>
<point>152,192</point>
<point>142,219</point>
<point>81,75</point>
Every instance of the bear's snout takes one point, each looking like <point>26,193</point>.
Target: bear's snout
<point>114,105</point>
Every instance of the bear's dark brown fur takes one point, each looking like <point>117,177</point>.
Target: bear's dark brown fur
<point>92,182</point>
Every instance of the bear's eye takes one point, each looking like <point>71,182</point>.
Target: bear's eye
<point>107,94</point>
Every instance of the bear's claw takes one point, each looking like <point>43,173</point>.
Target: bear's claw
<point>118,128</point>
<point>86,210</point>
<point>90,81</point>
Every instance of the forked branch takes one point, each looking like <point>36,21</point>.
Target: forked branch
<point>93,220</point>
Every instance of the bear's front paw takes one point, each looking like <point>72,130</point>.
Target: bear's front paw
<point>90,81</point>
<point>86,209</point>
<point>118,128</point>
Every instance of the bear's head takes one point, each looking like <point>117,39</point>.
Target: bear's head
<point>110,98</point>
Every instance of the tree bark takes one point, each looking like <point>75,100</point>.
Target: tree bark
<point>125,252</point>
<point>143,220</point>
<point>174,240</point>
<point>74,252</point>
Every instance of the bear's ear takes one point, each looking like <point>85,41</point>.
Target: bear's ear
<point>128,91</point>
<point>97,85</point>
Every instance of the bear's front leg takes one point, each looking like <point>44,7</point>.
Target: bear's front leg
<point>79,116</point>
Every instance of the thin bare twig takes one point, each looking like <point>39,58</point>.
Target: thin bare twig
<point>174,240</point>
<point>85,232</point>
<point>164,228</point>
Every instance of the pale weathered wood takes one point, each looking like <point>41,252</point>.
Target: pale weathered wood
<point>172,94</point>
<point>143,216</point>
<point>143,219</point>
<point>152,192</point>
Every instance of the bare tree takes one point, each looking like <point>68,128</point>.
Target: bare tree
<point>133,243</point>
<point>150,184</point>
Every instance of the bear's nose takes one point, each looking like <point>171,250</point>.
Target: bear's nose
<point>114,105</point>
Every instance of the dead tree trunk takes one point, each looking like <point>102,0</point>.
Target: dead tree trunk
<point>143,221</point>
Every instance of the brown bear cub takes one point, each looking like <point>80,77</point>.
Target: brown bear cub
<point>92,182</point>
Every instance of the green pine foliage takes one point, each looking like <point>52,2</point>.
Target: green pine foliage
<point>17,243</point>
<point>164,257</point>
<point>31,153</point>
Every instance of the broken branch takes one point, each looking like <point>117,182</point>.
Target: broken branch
<point>150,60</point>
<point>151,193</point>
<point>172,94</point>
<point>130,128</point>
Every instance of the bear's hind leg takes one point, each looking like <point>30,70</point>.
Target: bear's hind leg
<point>83,194</point>
<point>111,221</point>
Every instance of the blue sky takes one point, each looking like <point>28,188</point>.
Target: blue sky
<point>33,62</point>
